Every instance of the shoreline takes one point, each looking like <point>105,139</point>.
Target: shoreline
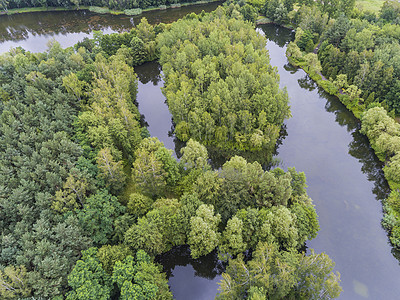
<point>390,218</point>
<point>105,10</point>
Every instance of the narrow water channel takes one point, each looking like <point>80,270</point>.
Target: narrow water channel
<point>344,179</point>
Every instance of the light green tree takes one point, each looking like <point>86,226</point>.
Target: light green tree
<point>204,236</point>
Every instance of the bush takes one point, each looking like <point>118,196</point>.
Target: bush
<point>133,12</point>
<point>99,10</point>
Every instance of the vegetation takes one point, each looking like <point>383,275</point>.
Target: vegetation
<point>88,199</point>
<point>219,85</point>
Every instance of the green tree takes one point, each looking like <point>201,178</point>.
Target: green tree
<point>108,255</point>
<point>88,280</point>
<point>13,283</point>
<point>195,155</point>
<point>204,236</point>
<point>232,238</point>
<point>110,170</point>
<point>98,216</point>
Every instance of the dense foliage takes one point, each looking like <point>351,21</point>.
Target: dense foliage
<point>357,52</point>
<point>219,85</point>
<point>384,135</point>
<point>88,199</point>
<point>58,181</point>
<point>237,208</point>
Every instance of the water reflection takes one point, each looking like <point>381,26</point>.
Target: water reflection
<point>32,31</point>
<point>192,278</point>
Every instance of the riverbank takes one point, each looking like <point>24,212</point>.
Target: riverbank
<point>382,133</point>
<point>102,10</point>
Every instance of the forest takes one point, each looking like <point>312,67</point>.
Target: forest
<point>89,199</point>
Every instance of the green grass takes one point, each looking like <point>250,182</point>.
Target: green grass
<point>369,5</point>
<point>35,9</point>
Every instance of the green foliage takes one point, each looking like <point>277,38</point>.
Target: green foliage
<point>160,230</point>
<point>232,237</point>
<point>133,12</point>
<point>216,86</point>
<point>204,236</point>
<point>88,280</point>
<point>135,278</point>
<point>384,135</point>
<point>194,155</point>
<point>139,204</point>
<point>155,171</point>
<point>222,92</point>
<point>37,159</point>
<point>73,195</point>
<point>112,121</point>
<point>13,283</point>
<point>98,216</point>
<point>274,274</point>
<point>108,255</point>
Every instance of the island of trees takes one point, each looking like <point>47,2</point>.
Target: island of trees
<point>88,199</point>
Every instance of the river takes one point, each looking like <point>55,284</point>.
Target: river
<point>344,177</point>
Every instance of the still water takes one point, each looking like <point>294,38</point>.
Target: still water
<point>32,31</point>
<point>344,177</point>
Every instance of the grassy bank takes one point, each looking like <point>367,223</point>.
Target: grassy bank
<point>102,10</point>
<point>369,5</point>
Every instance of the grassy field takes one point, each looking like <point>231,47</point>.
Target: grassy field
<point>369,5</point>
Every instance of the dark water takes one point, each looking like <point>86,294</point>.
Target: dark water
<point>32,31</point>
<point>345,181</point>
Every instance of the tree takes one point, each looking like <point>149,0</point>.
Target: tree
<point>88,280</point>
<point>316,277</point>
<point>274,274</point>
<point>13,283</point>
<point>139,204</point>
<point>98,216</point>
<point>110,170</point>
<point>73,85</point>
<point>148,173</point>
<point>204,236</point>
<point>195,155</point>
<point>232,239</point>
<point>73,194</point>
<point>146,235</point>
<point>140,278</point>
<point>108,255</point>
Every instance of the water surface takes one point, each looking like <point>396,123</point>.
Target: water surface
<point>344,179</point>
<point>32,31</point>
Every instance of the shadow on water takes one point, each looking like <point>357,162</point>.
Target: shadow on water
<point>208,266</point>
<point>149,72</point>
<point>191,278</point>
